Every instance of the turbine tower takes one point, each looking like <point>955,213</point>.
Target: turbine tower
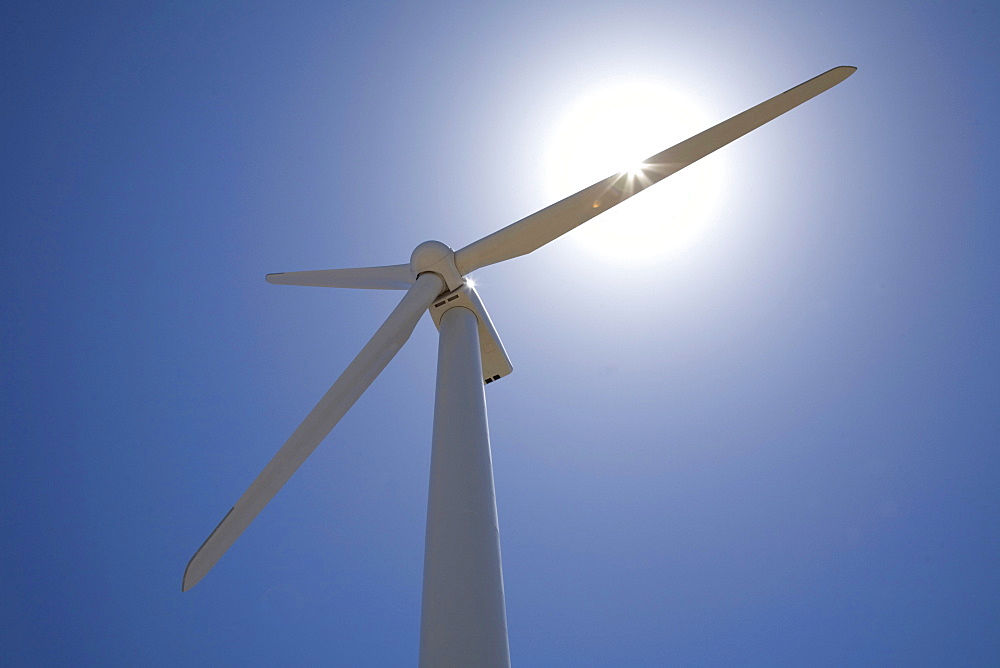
<point>463,620</point>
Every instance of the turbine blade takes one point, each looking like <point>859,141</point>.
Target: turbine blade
<point>541,227</point>
<point>393,277</point>
<point>352,383</point>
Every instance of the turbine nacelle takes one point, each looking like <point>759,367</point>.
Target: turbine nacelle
<point>495,362</point>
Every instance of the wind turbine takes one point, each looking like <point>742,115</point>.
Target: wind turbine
<point>463,620</point>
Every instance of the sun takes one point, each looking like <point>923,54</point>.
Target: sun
<point>612,129</point>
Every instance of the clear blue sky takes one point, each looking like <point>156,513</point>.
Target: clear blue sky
<point>778,447</point>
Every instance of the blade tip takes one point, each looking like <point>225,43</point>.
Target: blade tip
<point>844,71</point>
<point>192,574</point>
<point>195,570</point>
<point>189,579</point>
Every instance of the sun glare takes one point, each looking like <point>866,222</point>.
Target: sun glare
<point>612,130</point>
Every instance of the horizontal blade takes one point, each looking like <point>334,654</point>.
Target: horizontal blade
<point>538,229</point>
<point>393,277</point>
<point>374,357</point>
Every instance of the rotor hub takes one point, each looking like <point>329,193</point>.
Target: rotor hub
<point>436,257</point>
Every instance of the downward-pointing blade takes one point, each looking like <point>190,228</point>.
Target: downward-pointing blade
<point>552,222</point>
<point>374,357</point>
<point>392,277</point>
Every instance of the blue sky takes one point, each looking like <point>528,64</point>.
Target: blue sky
<point>776,447</point>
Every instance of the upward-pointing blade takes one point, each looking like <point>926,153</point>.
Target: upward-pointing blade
<point>552,222</point>
<point>369,363</point>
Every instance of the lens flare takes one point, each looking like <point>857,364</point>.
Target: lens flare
<point>612,129</point>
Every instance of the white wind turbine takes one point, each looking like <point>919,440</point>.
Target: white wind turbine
<point>463,621</point>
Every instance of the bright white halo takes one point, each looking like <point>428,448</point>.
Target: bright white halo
<point>612,129</point>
